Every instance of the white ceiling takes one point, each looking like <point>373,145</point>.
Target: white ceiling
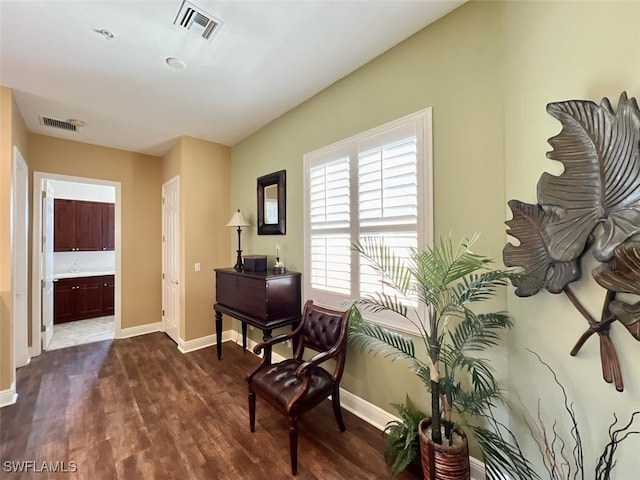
<point>268,57</point>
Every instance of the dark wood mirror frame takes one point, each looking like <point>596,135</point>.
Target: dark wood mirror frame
<point>280,180</point>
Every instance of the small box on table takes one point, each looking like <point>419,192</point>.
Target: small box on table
<point>255,263</point>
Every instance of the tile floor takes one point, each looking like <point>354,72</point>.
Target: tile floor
<point>82,331</point>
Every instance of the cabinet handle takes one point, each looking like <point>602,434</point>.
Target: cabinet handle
<point>105,284</point>
<point>175,282</point>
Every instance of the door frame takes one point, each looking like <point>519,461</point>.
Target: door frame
<point>38,179</point>
<point>20,259</point>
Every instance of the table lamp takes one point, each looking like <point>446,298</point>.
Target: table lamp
<point>239,221</point>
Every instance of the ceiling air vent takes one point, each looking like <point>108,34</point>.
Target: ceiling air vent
<point>61,124</point>
<point>197,21</point>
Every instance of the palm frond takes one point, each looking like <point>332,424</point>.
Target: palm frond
<point>502,459</point>
<point>479,332</point>
<point>481,373</point>
<point>382,341</point>
<point>381,301</point>
<point>421,370</point>
<point>384,261</point>
<point>482,286</point>
<point>445,263</point>
<point>474,403</point>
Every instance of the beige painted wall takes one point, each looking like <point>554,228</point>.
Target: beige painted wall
<point>204,169</point>
<point>487,69</point>
<point>13,132</point>
<point>140,179</point>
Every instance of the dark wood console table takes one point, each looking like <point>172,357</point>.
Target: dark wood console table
<point>261,299</point>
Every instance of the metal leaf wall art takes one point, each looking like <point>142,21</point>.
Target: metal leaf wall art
<point>593,206</point>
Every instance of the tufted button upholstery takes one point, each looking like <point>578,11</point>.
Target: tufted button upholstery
<point>294,386</point>
<point>321,329</point>
<point>280,382</point>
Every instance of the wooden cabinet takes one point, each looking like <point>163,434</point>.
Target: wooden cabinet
<point>108,295</point>
<point>261,299</point>
<point>83,297</point>
<point>83,226</point>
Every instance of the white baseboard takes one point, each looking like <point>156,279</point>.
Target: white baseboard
<point>367,411</point>
<point>139,330</point>
<point>8,396</point>
<point>186,346</point>
<point>477,469</point>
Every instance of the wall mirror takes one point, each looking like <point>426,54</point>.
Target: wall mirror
<point>272,204</point>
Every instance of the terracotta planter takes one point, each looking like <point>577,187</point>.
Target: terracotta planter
<point>443,462</point>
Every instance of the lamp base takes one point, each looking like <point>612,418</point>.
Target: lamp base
<point>238,265</point>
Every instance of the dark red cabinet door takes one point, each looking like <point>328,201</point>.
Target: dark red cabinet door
<point>64,305</point>
<point>90,297</point>
<point>108,291</point>
<point>108,226</point>
<point>88,226</point>
<point>64,231</point>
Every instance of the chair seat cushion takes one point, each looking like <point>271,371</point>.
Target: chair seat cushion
<point>279,382</point>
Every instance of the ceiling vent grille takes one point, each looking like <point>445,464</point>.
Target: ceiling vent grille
<point>55,123</point>
<point>197,21</point>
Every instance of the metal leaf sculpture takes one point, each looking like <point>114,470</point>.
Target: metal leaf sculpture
<point>600,185</point>
<point>528,225</point>
<point>600,151</point>
<point>622,274</point>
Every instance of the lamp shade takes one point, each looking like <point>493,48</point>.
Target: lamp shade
<point>238,220</point>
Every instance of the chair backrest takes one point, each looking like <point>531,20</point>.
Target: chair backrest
<point>321,329</point>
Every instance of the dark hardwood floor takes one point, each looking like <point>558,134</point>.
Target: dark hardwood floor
<point>139,409</point>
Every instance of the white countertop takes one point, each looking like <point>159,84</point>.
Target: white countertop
<point>82,274</point>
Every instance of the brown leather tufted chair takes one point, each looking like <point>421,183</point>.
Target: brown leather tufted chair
<point>294,386</point>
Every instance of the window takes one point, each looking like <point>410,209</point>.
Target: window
<point>377,183</point>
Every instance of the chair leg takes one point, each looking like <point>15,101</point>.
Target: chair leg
<point>293,445</point>
<point>337,411</point>
<point>252,411</point>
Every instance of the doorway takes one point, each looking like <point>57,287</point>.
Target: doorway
<point>50,268</point>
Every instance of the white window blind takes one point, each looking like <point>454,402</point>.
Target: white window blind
<point>377,184</point>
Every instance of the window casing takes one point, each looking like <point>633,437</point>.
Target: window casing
<point>377,183</point>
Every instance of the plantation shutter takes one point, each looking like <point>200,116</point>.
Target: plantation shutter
<point>329,220</point>
<point>365,186</point>
<point>388,196</point>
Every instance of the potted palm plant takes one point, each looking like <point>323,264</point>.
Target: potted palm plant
<point>434,289</point>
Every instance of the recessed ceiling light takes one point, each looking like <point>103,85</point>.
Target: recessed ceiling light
<point>105,33</point>
<point>175,63</point>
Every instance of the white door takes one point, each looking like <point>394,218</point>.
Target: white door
<point>19,271</point>
<point>171,258</point>
<point>47,264</point>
